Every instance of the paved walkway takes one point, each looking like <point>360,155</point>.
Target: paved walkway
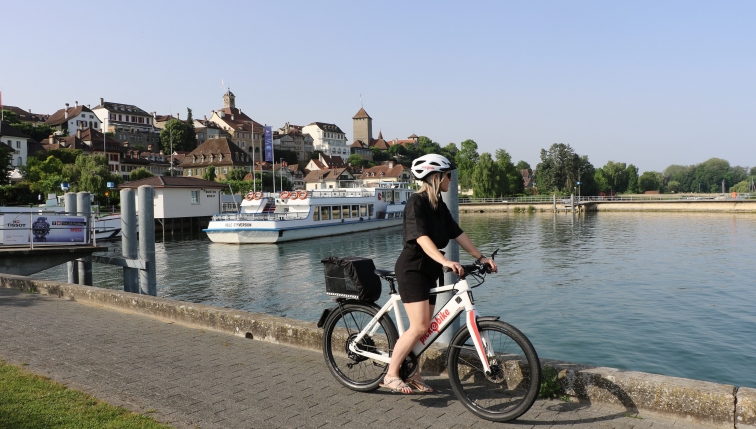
<point>193,378</point>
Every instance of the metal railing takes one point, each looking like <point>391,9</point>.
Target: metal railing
<point>545,199</point>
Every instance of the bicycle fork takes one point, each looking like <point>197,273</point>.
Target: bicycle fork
<point>481,342</point>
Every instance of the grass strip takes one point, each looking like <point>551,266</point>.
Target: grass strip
<point>34,402</point>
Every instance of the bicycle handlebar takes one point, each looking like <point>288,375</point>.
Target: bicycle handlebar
<point>476,267</point>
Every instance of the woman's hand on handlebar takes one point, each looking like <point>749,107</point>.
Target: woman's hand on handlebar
<point>454,267</point>
<point>489,261</point>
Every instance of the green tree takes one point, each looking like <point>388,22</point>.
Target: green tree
<point>180,133</point>
<point>139,174</point>
<point>379,155</point>
<point>450,151</point>
<point>6,163</point>
<point>650,181</point>
<point>94,174</point>
<point>586,175</point>
<point>487,178</point>
<point>559,169</point>
<point>522,165</point>
<point>632,179</point>
<point>512,183</point>
<point>192,131</point>
<point>673,186</point>
<point>742,187</point>
<point>466,159</point>
<point>237,174</point>
<point>10,117</point>
<point>356,160</point>
<point>209,174</point>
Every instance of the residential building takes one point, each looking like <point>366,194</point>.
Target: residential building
<point>27,117</point>
<point>129,124</point>
<point>156,163</point>
<point>245,132</point>
<point>388,172</point>
<point>95,139</point>
<point>181,197</point>
<point>219,153</point>
<point>70,119</point>
<point>328,138</point>
<point>291,138</point>
<point>362,149</point>
<point>409,141</point>
<point>329,179</point>
<point>206,130</point>
<point>325,162</point>
<point>16,140</point>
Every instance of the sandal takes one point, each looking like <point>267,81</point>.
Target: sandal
<point>419,385</point>
<point>396,385</point>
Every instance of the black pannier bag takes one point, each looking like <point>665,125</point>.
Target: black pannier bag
<point>352,277</point>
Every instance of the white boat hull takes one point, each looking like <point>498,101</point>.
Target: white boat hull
<point>279,235</point>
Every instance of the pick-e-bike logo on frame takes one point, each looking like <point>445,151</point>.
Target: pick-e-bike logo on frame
<point>440,317</point>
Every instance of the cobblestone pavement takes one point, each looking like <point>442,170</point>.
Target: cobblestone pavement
<point>193,378</point>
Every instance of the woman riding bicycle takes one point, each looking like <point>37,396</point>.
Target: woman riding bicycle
<point>428,226</point>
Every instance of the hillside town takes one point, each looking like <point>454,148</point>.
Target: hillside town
<point>314,156</point>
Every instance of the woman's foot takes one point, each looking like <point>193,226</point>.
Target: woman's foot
<point>396,384</point>
<point>418,383</point>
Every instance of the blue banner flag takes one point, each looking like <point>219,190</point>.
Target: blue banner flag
<point>268,144</point>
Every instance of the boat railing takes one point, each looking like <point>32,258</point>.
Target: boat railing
<point>259,216</point>
<point>352,194</point>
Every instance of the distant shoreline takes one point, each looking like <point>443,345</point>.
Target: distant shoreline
<point>674,206</point>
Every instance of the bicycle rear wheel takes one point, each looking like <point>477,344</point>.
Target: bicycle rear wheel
<point>512,386</point>
<point>354,371</point>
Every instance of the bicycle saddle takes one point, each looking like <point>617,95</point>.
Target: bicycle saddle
<point>385,273</point>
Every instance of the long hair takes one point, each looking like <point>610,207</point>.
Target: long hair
<point>432,187</point>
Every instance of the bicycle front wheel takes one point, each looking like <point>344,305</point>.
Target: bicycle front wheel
<point>512,386</point>
<point>342,327</point>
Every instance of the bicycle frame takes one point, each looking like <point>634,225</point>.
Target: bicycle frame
<point>460,301</point>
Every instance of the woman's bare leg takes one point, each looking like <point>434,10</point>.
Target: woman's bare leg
<point>418,314</point>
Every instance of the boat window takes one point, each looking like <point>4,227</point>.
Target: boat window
<point>363,210</point>
<point>396,196</point>
<point>345,212</point>
<point>390,215</point>
<point>336,212</point>
<point>370,210</point>
<point>325,212</point>
<point>316,213</point>
<point>355,211</point>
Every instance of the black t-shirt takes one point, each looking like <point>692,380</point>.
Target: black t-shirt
<point>420,219</point>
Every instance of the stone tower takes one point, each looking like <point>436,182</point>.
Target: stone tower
<point>362,127</point>
<point>229,99</point>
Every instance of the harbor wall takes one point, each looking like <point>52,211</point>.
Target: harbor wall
<point>708,206</point>
<point>714,404</point>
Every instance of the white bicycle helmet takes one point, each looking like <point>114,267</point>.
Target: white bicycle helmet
<point>432,163</point>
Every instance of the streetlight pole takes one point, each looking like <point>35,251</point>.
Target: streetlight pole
<point>280,171</point>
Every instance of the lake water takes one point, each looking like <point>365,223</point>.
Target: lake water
<point>666,293</point>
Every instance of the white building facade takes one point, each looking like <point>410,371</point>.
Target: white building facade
<point>327,138</point>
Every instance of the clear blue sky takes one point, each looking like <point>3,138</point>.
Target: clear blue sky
<point>651,83</point>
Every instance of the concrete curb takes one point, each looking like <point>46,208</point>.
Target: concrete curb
<point>714,404</point>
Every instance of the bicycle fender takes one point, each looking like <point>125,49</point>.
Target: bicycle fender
<point>327,312</point>
<point>324,317</point>
<point>486,318</point>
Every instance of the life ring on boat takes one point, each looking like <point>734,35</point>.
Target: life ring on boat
<point>258,195</point>
<point>250,196</point>
<point>302,195</point>
<point>284,195</point>
<point>294,195</point>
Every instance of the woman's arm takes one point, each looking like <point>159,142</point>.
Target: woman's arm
<point>430,249</point>
<point>470,248</point>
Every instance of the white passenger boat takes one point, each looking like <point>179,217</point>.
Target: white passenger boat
<point>298,215</point>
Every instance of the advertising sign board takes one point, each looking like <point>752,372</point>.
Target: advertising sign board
<point>45,228</point>
<point>268,144</point>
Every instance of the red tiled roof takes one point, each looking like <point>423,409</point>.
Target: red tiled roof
<point>320,175</point>
<point>383,171</point>
<point>361,114</point>
<point>172,182</point>
<point>59,117</point>
<point>214,148</point>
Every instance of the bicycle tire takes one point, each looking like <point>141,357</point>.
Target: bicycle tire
<point>515,379</point>
<point>353,371</point>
